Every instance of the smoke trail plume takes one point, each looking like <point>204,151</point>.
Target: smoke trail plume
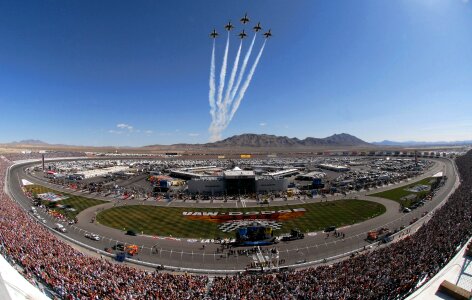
<point>243,68</point>
<point>214,126</point>
<point>221,86</point>
<point>225,101</point>
<point>245,86</point>
<point>227,98</point>
<point>211,94</point>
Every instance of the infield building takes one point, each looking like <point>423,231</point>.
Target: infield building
<point>236,182</point>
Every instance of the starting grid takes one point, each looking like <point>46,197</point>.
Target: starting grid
<point>233,225</point>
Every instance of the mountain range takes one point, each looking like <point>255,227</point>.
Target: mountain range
<point>29,142</point>
<point>422,144</point>
<point>250,140</point>
<point>265,140</point>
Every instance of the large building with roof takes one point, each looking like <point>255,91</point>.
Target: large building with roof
<point>237,182</point>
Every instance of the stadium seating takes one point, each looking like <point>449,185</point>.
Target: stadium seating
<point>387,273</point>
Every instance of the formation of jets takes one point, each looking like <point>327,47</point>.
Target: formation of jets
<point>242,34</point>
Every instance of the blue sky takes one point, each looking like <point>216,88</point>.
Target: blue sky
<point>136,72</point>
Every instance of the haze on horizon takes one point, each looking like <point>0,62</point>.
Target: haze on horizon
<point>108,73</point>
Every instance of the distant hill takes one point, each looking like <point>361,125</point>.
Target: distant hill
<point>29,142</point>
<point>237,142</point>
<point>250,140</point>
<point>421,144</point>
<point>273,141</point>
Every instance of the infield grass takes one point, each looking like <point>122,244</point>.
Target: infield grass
<point>169,221</point>
<point>76,202</point>
<point>401,192</point>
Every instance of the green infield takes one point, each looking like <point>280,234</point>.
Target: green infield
<point>70,207</point>
<point>404,195</point>
<point>170,221</point>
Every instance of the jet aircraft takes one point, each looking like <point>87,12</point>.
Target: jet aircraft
<point>268,34</point>
<point>229,26</point>
<point>242,35</point>
<point>257,27</point>
<point>245,19</point>
<point>214,34</point>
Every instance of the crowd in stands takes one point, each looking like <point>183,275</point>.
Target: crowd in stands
<point>73,275</point>
<point>387,273</point>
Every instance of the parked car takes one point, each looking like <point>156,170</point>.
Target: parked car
<point>131,232</point>
<point>330,228</point>
<point>295,234</point>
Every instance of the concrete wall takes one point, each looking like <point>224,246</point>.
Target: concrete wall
<point>218,186</point>
<point>206,186</point>
<point>271,185</point>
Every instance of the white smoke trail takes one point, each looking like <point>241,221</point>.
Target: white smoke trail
<point>220,106</point>
<point>245,86</point>
<point>215,125</point>
<point>243,68</point>
<point>226,100</point>
<point>221,86</point>
<point>211,94</point>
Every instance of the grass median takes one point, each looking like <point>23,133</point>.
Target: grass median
<point>71,206</point>
<point>170,221</point>
<point>404,195</point>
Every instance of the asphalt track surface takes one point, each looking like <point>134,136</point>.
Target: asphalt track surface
<point>202,256</point>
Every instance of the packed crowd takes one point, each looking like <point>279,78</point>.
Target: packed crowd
<point>73,275</point>
<point>386,273</point>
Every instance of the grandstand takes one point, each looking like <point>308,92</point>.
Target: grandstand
<point>391,272</point>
